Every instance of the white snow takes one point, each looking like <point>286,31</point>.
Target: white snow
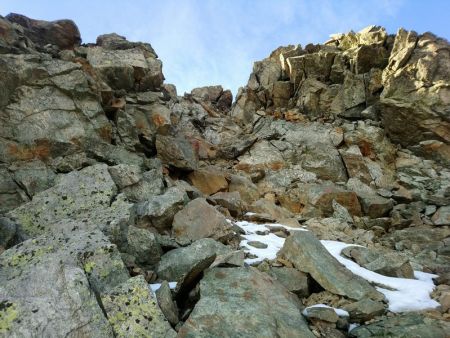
<point>352,326</point>
<point>156,286</point>
<point>273,242</point>
<point>339,312</point>
<point>403,294</point>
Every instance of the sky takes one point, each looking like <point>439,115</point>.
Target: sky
<point>208,42</point>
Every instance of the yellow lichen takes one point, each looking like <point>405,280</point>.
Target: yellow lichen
<point>8,313</point>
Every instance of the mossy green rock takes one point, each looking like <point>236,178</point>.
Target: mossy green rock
<point>133,311</point>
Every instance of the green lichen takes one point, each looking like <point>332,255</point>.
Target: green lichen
<point>8,313</point>
<point>89,266</point>
<point>25,257</point>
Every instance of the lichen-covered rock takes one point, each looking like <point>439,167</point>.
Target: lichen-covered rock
<point>177,152</point>
<point>246,303</point>
<point>49,284</point>
<point>143,245</point>
<point>86,195</point>
<point>133,311</point>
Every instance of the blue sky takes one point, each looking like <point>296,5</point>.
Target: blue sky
<point>205,42</point>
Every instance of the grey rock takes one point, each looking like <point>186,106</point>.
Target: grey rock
<point>143,245</point>
<point>364,310</point>
<point>49,284</point>
<point>246,303</point>
<point>200,220</point>
<point>125,175</point>
<point>321,313</point>
<point>307,254</point>
<point>292,279</point>
<point>247,190</point>
<point>175,263</point>
<point>442,216</point>
<point>166,304</point>
<point>403,326</point>
<point>176,151</point>
<point>132,310</point>
<point>230,200</point>
<point>159,211</point>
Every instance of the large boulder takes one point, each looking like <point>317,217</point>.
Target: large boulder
<point>62,33</point>
<point>200,220</point>
<point>50,284</point>
<point>177,151</point>
<point>246,303</point>
<point>307,254</point>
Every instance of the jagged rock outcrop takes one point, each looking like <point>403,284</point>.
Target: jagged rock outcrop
<point>110,181</point>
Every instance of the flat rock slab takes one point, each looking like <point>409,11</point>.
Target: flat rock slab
<point>307,254</point>
<point>244,302</point>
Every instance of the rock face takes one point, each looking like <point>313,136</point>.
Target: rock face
<point>266,308</point>
<point>109,181</point>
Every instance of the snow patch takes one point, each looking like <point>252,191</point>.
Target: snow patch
<point>156,286</point>
<point>405,294</point>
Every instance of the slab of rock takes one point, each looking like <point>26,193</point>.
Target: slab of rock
<point>167,305</point>
<point>263,155</point>
<point>208,180</point>
<point>200,220</point>
<point>385,263</point>
<point>266,207</point>
<point>307,254</point>
<point>246,303</point>
<point>143,245</point>
<point>404,326</point>
<point>175,263</point>
<point>177,152</point>
<point>49,284</point>
<point>133,311</point>
<point>84,195</point>
<point>159,211</point>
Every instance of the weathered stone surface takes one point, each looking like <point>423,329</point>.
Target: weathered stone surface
<point>176,151</point>
<point>403,326</point>
<point>159,211</point>
<point>292,279</point>
<point>415,90</point>
<point>263,155</point>
<point>307,254</point>
<point>266,207</point>
<point>321,313</point>
<point>386,263</point>
<point>364,310</point>
<point>200,220</point>
<point>84,195</point>
<point>62,33</point>
<point>133,311</point>
<point>230,200</point>
<point>245,187</point>
<point>208,180</point>
<point>129,69</point>
<point>143,245</point>
<point>265,307</point>
<point>49,284</point>
<point>442,216</point>
<point>175,263</point>
<point>167,305</point>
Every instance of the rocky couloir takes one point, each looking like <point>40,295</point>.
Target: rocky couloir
<point>110,181</point>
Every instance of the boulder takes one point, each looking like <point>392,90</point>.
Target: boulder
<point>132,310</point>
<point>62,33</point>
<point>442,216</point>
<point>263,155</point>
<point>200,220</point>
<point>86,195</point>
<point>229,200</point>
<point>208,180</point>
<point>176,263</point>
<point>176,151</point>
<point>292,279</point>
<point>158,211</point>
<point>247,190</point>
<point>265,307</point>
<point>307,254</point>
<point>364,310</point>
<point>49,285</point>
<point>143,245</point>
